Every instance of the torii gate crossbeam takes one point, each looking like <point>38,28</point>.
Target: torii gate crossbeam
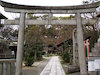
<point>53,22</point>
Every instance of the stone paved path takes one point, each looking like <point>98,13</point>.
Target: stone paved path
<point>36,69</point>
<point>54,67</point>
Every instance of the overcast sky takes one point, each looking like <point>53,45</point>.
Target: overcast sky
<point>47,2</point>
<point>41,3</point>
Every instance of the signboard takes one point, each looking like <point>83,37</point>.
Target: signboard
<point>97,64</point>
<point>91,66</point>
<point>94,65</point>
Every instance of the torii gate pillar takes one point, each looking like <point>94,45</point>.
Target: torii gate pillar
<point>82,60</point>
<point>20,46</point>
<point>75,49</point>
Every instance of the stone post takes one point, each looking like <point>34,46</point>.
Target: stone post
<point>82,60</point>
<point>50,16</point>
<point>4,68</point>
<point>12,68</point>
<point>1,68</point>
<point>8,68</point>
<point>20,46</point>
<point>74,47</point>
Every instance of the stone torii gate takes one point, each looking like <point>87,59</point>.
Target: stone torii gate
<point>23,9</point>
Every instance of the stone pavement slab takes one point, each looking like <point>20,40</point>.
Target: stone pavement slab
<point>54,67</point>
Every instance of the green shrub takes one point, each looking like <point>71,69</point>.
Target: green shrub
<point>29,57</point>
<point>65,56</point>
<point>67,73</point>
<point>29,61</point>
<point>39,55</point>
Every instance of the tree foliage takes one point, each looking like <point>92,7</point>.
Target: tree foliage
<point>33,44</point>
<point>8,33</point>
<point>91,30</point>
<point>38,36</point>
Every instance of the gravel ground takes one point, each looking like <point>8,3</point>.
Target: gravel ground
<point>35,70</point>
